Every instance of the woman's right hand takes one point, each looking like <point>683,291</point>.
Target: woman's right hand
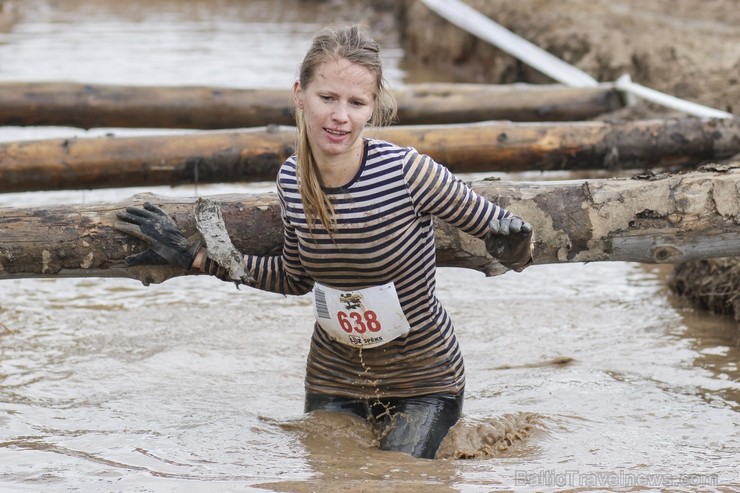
<point>153,226</point>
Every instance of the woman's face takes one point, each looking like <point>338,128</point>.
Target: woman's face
<point>337,104</point>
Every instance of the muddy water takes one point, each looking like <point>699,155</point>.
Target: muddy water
<point>579,376</point>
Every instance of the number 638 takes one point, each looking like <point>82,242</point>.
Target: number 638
<point>362,321</point>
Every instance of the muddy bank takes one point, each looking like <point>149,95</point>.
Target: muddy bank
<point>712,285</point>
<point>688,48</point>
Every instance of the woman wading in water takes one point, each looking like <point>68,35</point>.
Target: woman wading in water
<point>358,232</point>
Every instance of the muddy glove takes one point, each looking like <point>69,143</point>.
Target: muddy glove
<point>156,228</point>
<point>509,240</point>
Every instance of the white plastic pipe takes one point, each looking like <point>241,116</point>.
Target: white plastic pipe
<point>625,84</point>
<point>475,23</point>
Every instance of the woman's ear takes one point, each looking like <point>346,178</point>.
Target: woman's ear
<point>297,94</point>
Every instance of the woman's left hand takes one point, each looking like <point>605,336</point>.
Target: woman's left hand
<point>509,240</point>
<point>511,225</point>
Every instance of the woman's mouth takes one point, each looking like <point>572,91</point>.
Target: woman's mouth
<point>338,133</point>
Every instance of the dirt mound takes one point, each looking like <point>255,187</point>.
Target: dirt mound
<point>687,48</point>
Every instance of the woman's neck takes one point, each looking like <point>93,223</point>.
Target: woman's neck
<point>336,171</point>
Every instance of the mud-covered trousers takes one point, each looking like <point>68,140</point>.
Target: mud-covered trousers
<point>415,425</point>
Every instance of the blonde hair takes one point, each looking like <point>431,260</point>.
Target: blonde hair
<point>330,44</point>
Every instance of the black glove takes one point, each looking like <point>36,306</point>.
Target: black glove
<point>509,241</point>
<point>153,226</point>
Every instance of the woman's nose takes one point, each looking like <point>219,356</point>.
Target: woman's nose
<point>340,113</point>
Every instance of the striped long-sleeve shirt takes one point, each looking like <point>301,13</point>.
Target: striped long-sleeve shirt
<point>384,232</point>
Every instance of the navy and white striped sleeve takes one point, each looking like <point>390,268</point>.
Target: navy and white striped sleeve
<point>281,273</point>
<point>435,190</point>
<point>277,273</point>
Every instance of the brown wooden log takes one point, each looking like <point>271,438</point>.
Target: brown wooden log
<point>204,157</point>
<point>665,219</point>
<point>256,154</point>
<point>94,105</point>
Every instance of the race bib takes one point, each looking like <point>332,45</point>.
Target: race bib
<point>363,318</point>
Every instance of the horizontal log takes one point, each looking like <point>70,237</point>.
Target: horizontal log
<point>207,157</point>
<point>665,219</point>
<point>208,108</point>
<point>256,154</point>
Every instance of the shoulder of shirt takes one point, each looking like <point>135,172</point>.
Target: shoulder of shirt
<point>287,176</point>
<point>289,167</point>
<point>381,147</point>
<point>289,164</point>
